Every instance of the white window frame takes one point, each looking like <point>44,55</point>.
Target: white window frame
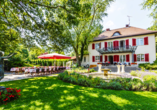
<point>97,45</point>
<point>138,41</point>
<point>97,58</point>
<point>110,44</point>
<point>141,58</point>
<point>123,56</point>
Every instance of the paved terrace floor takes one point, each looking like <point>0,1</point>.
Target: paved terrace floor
<point>9,76</point>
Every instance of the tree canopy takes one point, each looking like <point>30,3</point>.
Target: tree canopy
<point>151,5</point>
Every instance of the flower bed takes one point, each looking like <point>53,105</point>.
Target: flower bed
<point>116,84</point>
<point>9,94</point>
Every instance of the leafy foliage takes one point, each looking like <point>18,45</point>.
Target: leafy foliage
<point>151,5</point>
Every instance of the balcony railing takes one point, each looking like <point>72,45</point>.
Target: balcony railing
<point>118,49</point>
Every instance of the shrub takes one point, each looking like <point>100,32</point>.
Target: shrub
<point>91,70</point>
<point>150,85</point>
<point>66,78</point>
<point>136,84</point>
<point>115,85</point>
<point>149,78</point>
<point>104,85</point>
<point>124,82</point>
<point>133,73</point>
<point>9,94</point>
<point>73,80</point>
<point>90,77</point>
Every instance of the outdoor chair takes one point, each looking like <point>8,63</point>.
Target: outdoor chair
<point>37,71</point>
<point>17,71</point>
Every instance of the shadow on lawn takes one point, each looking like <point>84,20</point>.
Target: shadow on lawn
<point>51,93</point>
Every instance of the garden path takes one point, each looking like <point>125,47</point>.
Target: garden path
<point>10,76</point>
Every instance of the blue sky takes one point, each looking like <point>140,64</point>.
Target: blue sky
<point>120,9</point>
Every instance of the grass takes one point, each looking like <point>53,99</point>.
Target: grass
<point>49,93</point>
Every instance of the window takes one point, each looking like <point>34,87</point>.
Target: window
<point>84,59</point>
<point>122,58</point>
<point>110,44</point>
<point>97,45</point>
<point>116,34</point>
<point>140,57</point>
<point>97,58</point>
<point>139,41</point>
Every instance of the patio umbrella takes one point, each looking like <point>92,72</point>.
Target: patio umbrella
<point>54,56</point>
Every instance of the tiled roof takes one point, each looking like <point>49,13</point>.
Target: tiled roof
<point>125,32</point>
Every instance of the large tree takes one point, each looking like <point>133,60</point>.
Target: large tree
<point>83,29</point>
<point>151,5</point>
<point>60,24</point>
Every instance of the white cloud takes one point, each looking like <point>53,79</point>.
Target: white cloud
<point>116,7</point>
<point>109,23</point>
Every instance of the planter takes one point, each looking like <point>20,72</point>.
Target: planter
<point>99,63</point>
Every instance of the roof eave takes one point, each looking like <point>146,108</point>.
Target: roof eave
<point>127,36</point>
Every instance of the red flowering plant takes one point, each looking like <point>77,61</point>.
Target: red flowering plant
<point>9,94</point>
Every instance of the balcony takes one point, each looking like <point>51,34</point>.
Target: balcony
<point>119,49</point>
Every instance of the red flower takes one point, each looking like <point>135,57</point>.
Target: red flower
<point>18,90</point>
<point>5,99</point>
<point>0,93</point>
<point>19,94</point>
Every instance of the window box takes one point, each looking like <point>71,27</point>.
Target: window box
<point>133,63</point>
<point>99,63</point>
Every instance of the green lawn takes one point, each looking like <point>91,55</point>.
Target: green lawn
<point>49,93</point>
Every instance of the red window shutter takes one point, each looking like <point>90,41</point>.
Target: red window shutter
<point>128,58</point>
<point>147,57</point>
<point>133,42</point>
<point>93,46</point>
<point>117,58</point>
<point>105,45</point>
<point>114,44</point>
<point>146,41</point>
<point>93,58</point>
<point>101,58</point>
<point>105,58</point>
<point>100,45</point>
<point>127,43</point>
<point>135,58</point>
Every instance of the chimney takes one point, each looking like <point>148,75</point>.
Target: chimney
<point>108,29</point>
<point>127,25</point>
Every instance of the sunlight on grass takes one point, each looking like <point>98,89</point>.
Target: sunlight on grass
<point>147,94</point>
<point>62,105</point>
<point>117,100</point>
<point>93,94</point>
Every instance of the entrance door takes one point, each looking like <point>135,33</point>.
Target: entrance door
<point>111,59</point>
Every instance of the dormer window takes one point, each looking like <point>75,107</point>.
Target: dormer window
<point>116,34</point>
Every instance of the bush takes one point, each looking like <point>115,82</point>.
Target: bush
<point>133,73</point>
<point>136,84</point>
<point>150,82</point>
<point>150,85</point>
<point>104,85</point>
<point>115,85</point>
<point>124,82</point>
<point>91,70</point>
<point>149,78</point>
<point>9,94</point>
